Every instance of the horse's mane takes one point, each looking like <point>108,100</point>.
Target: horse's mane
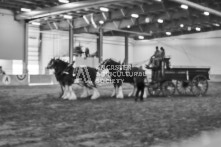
<point>64,63</point>
<point>114,60</point>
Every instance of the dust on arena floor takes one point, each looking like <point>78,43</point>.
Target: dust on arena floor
<point>34,116</point>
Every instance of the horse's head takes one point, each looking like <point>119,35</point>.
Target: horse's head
<point>51,63</point>
<point>106,64</point>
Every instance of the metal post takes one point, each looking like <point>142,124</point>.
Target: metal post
<point>40,53</point>
<point>126,50</point>
<point>100,51</point>
<point>25,55</point>
<point>71,42</point>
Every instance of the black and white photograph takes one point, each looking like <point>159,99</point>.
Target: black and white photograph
<point>110,73</point>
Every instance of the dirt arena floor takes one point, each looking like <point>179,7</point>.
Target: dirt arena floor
<point>35,117</point>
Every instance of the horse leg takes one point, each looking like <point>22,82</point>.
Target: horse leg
<point>135,90</point>
<point>120,92</point>
<point>114,91</point>
<point>85,91</point>
<point>132,92</point>
<point>96,93</point>
<point>68,95</point>
<point>65,95</point>
<point>62,91</point>
<point>145,92</point>
<point>72,93</point>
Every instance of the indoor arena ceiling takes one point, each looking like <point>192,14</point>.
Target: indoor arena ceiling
<point>149,18</point>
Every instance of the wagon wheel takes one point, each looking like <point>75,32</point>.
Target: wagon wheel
<point>199,85</point>
<point>154,89</point>
<point>183,87</point>
<point>168,88</point>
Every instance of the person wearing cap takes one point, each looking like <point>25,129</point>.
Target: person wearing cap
<point>154,58</point>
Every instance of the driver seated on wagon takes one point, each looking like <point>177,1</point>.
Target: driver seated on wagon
<point>156,59</point>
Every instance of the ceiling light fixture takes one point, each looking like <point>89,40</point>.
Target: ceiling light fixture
<point>216,24</point>
<point>189,28</point>
<point>160,20</point>
<point>68,16</point>
<point>141,37</point>
<point>158,0</point>
<point>128,26</point>
<point>25,10</point>
<point>36,23</point>
<point>63,1</point>
<point>206,13</point>
<point>184,6</point>
<point>181,25</point>
<point>198,29</point>
<point>135,15</point>
<point>101,22</point>
<point>147,20</point>
<point>104,9</point>
<point>168,33</point>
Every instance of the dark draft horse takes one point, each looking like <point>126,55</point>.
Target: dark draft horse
<point>66,75</point>
<point>135,76</point>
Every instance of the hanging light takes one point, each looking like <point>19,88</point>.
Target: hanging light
<point>147,19</point>
<point>168,33</point>
<point>68,16</point>
<point>160,20</point>
<point>189,28</point>
<point>36,23</point>
<point>25,10</point>
<point>141,37</point>
<point>184,6</point>
<point>216,24</point>
<point>198,29</point>
<point>206,13</point>
<point>63,1</point>
<point>181,25</point>
<point>101,22</point>
<point>104,9</point>
<point>134,15</point>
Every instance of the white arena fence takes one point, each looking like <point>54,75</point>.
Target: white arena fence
<point>16,80</point>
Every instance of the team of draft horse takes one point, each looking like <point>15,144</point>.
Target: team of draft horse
<point>66,74</point>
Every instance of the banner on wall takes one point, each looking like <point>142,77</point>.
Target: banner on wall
<point>13,80</point>
<point>6,80</point>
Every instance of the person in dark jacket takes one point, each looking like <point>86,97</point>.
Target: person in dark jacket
<point>2,72</point>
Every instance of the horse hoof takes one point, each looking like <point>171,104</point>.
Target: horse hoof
<point>120,96</point>
<point>64,97</point>
<point>129,95</point>
<point>94,97</point>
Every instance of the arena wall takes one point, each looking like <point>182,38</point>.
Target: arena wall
<point>201,49</point>
<point>11,36</point>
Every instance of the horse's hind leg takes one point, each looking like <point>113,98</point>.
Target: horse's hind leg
<point>85,91</point>
<point>114,91</point>
<point>120,92</point>
<point>72,93</point>
<point>96,93</point>
<point>62,91</point>
<point>65,95</point>
<point>145,92</point>
<point>132,92</point>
